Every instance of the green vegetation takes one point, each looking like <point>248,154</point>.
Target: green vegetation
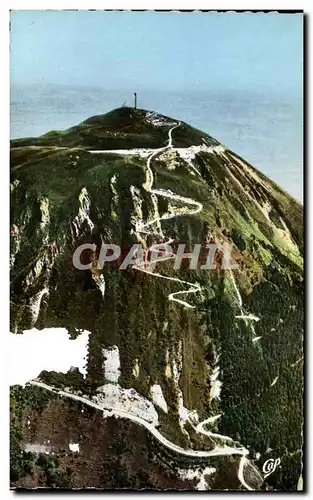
<point>55,193</point>
<point>73,379</point>
<point>122,128</point>
<point>254,413</point>
<point>22,400</point>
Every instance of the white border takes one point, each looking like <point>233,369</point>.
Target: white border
<point>160,4</point>
<point>4,138</point>
<point>4,250</point>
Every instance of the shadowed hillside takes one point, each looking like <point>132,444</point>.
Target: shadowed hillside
<point>246,325</point>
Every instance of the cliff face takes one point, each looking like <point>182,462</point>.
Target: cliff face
<point>235,352</point>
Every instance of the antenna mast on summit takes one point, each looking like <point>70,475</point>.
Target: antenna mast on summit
<point>135,100</point>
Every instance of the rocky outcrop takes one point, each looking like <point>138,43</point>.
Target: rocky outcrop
<point>237,351</point>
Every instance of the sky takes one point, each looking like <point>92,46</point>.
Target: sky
<point>156,50</point>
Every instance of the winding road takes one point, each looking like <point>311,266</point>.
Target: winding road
<point>145,226</point>
<point>218,451</point>
<point>153,227</point>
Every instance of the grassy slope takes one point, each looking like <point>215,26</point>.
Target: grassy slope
<point>123,128</point>
<point>144,324</point>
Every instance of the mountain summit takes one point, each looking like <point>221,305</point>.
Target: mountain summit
<point>121,128</point>
<point>213,357</point>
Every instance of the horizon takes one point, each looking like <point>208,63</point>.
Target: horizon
<point>236,76</point>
